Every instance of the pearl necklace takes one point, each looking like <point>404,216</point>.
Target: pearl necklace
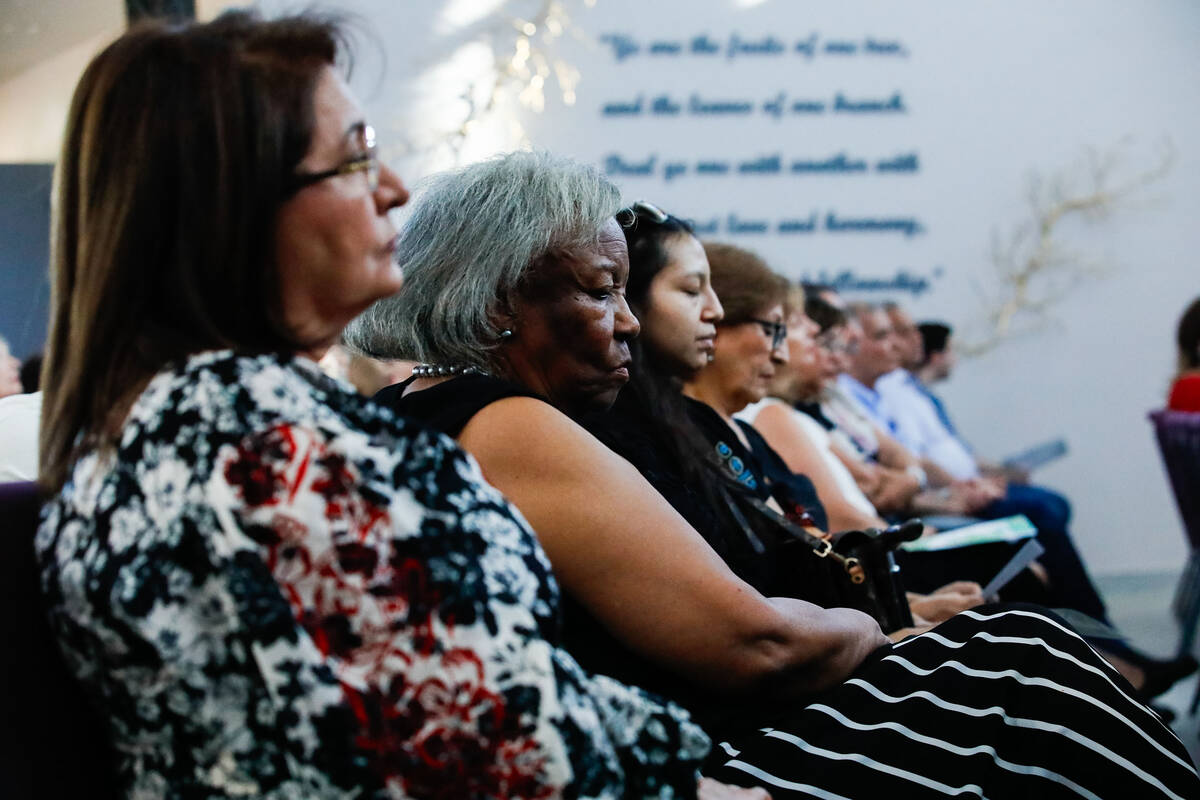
<point>442,371</point>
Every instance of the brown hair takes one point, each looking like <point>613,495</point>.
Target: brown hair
<point>744,283</point>
<point>1188,338</point>
<point>180,145</point>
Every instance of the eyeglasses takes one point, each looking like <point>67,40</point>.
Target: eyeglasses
<point>641,208</point>
<point>777,331</point>
<point>367,162</point>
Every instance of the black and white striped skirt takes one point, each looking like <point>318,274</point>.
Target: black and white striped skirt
<point>998,702</point>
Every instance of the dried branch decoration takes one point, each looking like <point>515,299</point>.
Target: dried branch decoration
<point>1034,270</point>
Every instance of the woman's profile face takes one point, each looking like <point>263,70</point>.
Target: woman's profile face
<point>850,335</point>
<point>745,359</point>
<point>681,310</point>
<point>572,327</point>
<point>333,239</point>
<point>807,362</point>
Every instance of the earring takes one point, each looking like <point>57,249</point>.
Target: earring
<point>506,333</point>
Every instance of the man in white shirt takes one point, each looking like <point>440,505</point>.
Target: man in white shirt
<point>916,413</point>
<point>877,355</point>
<point>923,418</point>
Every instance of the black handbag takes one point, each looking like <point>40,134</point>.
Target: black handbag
<point>854,569</point>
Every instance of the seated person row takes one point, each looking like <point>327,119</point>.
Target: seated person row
<point>927,356</point>
<point>270,586</point>
<point>1068,583</point>
<point>726,387</point>
<point>515,303</point>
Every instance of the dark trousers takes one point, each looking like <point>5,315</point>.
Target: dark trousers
<point>1070,585</point>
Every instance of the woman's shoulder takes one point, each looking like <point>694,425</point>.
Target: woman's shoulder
<point>232,392</point>
<point>450,405</point>
<point>1185,392</point>
<point>776,411</point>
<point>203,417</point>
<point>751,412</point>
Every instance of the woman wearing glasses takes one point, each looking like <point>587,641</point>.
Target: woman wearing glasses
<point>270,586</point>
<point>810,701</point>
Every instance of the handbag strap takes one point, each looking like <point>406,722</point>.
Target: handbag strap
<point>820,545</point>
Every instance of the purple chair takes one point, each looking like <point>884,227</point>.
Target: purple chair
<point>56,745</point>
<point>1178,435</point>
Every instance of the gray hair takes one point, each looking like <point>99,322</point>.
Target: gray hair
<point>471,236</point>
<point>861,308</point>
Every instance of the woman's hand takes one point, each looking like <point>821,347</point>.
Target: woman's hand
<point>968,588</point>
<point>904,633</point>
<point>947,601</point>
<point>895,491</point>
<point>708,789</point>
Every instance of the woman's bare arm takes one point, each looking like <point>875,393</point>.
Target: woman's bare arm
<point>623,552</point>
<point>889,489</point>
<point>892,453</point>
<point>778,426</point>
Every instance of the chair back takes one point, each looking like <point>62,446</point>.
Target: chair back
<point>56,745</point>
<point>1178,435</point>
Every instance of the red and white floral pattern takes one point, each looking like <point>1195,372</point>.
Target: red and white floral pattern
<point>275,589</point>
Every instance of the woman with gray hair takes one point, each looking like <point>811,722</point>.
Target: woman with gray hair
<point>502,260</point>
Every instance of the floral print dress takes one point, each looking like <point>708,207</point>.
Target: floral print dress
<point>273,588</point>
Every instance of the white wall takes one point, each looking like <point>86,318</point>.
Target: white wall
<point>993,90</point>
<point>34,101</point>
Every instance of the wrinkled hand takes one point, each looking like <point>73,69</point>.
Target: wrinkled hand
<point>979,492</point>
<point>970,588</point>
<point>708,789</point>
<point>895,491</point>
<point>966,497</point>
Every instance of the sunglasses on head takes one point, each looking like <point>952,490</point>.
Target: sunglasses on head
<point>642,209</point>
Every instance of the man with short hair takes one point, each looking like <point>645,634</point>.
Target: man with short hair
<point>877,355</point>
<point>943,452</point>
<point>951,451</point>
<point>920,420</point>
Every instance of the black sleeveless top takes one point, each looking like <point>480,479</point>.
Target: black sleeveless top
<point>448,407</point>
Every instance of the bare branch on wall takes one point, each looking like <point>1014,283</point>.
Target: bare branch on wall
<point>1034,270</point>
